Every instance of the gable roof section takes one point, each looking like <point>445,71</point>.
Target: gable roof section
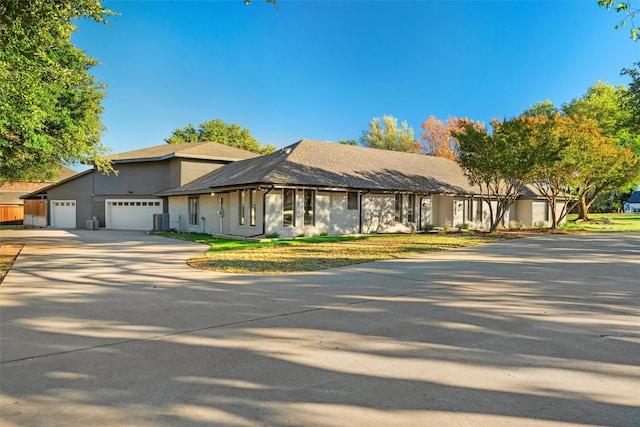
<point>193,150</point>
<point>634,198</point>
<point>329,165</point>
<point>55,184</point>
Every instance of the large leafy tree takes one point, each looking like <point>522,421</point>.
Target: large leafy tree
<point>385,134</point>
<point>597,163</point>
<point>50,105</point>
<point>218,131</point>
<point>587,163</point>
<point>436,139</point>
<point>502,162</point>
<point>615,118</point>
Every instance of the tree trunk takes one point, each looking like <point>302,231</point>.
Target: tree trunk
<point>583,209</point>
<point>554,219</point>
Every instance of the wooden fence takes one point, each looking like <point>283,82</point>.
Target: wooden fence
<point>35,213</point>
<point>11,214</point>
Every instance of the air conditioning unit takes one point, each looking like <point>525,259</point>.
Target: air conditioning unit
<point>93,224</point>
<point>161,222</point>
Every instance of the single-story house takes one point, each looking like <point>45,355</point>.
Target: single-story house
<point>312,187</point>
<point>127,199</point>
<point>632,205</point>
<point>11,204</point>
<point>532,209</point>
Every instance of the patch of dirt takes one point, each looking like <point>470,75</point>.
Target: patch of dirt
<point>8,254</point>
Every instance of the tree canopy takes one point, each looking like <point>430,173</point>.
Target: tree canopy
<point>502,162</point>
<point>632,99</point>
<point>218,131</point>
<point>385,134</point>
<point>436,138</point>
<point>50,105</point>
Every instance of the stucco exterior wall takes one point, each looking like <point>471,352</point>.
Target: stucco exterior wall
<point>214,209</point>
<point>343,220</point>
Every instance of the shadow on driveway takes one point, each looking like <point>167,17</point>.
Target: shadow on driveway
<point>115,329</point>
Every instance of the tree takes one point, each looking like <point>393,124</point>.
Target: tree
<point>629,12</point>
<point>503,162</point>
<point>599,163</point>
<point>436,139</point>
<point>218,131</point>
<point>348,142</point>
<point>632,98</point>
<point>386,135</point>
<point>613,115</point>
<point>542,108</point>
<point>50,105</point>
<point>587,163</point>
<point>607,106</point>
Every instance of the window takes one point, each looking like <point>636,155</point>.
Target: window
<point>252,204</point>
<point>241,207</point>
<point>309,206</point>
<point>479,210</point>
<point>289,207</point>
<point>397,208</point>
<point>547,213</point>
<point>193,210</point>
<point>352,201</point>
<point>411,208</point>
<point>469,209</point>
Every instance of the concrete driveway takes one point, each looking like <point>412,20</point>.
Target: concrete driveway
<point>113,328</point>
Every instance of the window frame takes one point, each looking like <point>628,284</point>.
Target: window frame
<point>397,207</point>
<point>411,207</point>
<point>193,210</point>
<point>252,207</point>
<point>240,207</point>
<point>291,222</point>
<point>309,217</point>
<point>350,206</point>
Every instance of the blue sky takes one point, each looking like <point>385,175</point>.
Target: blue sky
<point>323,69</point>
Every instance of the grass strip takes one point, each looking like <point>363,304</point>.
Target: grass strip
<point>317,253</point>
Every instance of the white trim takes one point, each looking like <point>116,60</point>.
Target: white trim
<point>108,203</point>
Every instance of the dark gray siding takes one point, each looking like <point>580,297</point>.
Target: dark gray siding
<point>184,171</point>
<point>134,179</point>
<point>78,189</point>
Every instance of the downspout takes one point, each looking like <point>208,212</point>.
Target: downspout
<point>264,213</point>
<point>360,211</point>
<point>420,214</point>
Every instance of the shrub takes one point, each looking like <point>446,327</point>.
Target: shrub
<point>324,234</point>
<point>516,225</point>
<point>429,227</point>
<point>272,236</point>
<point>446,225</point>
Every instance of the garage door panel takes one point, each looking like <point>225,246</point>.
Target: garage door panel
<point>63,213</point>
<point>131,214</point>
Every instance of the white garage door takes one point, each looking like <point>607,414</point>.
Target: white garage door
<point>63,213</point>
<point>131,214</point>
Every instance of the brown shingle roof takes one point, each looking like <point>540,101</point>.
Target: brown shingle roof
<point>325,164</point>
<point>199,150</point>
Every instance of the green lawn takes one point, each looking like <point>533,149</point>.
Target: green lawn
<point>598,223</point>
<point>316,253</point>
